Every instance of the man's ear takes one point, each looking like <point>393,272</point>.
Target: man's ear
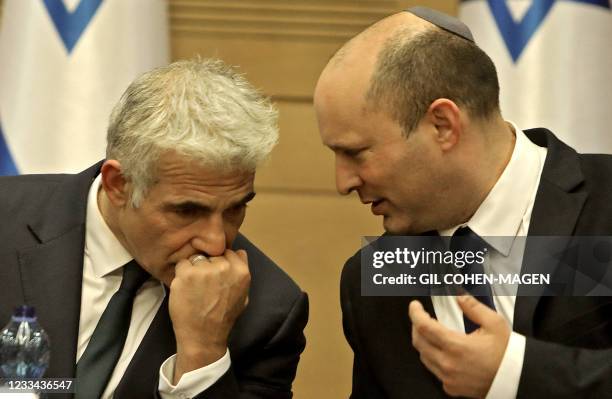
<point>114,183</point>
<point>445,116</point>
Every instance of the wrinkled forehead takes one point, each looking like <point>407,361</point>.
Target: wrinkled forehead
<point>174,168</point>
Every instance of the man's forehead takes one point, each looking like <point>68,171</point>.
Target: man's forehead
<point>340,143</point>
<point>210,196</point>
<point>181,176</point>
<point>340,136</point>
<point>200,179</point>
<point>173,164</point>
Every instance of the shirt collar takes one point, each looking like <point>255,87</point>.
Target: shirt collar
<point>104,250</point>
<point>502,211</point>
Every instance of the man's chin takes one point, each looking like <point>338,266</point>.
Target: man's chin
<point>398,226</point>
<point>395,227</point>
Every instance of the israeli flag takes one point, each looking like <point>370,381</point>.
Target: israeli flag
<point>554,60</point>
<point>63,65</point>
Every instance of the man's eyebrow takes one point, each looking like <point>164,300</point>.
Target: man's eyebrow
<point>194,205</point>
<point>243,200</point>
<point>188,205</point>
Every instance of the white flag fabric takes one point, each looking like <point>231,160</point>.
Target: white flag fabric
<point>554,60</point>
<point>63,65</point>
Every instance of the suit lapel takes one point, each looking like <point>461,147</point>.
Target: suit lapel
<point>51,275</point>
<point>51,271</point>
<point>558,204</point>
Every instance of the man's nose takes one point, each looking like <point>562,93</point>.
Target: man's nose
<point>210,236</point>
<point>347,178</point>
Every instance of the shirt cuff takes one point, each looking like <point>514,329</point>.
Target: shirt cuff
<point>506,381</point>
<point>193,382</point>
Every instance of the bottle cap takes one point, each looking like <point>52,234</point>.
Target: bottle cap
<point>25,311</point>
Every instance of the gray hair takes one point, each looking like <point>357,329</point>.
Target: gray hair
<point>198,108</point>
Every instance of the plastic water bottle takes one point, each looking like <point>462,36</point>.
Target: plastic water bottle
<point>24,346</point>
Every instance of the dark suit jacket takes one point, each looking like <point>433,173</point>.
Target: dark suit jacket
<point>568,350</point>
<point>41,263</point>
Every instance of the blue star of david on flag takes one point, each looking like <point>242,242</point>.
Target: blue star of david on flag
<point>516,34</point>
<point>71,25</point>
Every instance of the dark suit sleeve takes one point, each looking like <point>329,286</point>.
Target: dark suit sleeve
<point>556,371</point>
<point>269,372</point>
<point>361,377</point>
<point>363,384</point>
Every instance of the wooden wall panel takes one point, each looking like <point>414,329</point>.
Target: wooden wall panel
<point>299,162</point>
<point>287,69</point>
<point>311,236</point>
<point>282,44</point>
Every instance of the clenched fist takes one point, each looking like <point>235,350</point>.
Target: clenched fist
<point>205,300</point>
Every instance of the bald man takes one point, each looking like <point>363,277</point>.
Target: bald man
<point>410,109</point>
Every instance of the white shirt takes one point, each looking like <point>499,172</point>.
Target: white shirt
<point>102,273</point>
<point>505,212</point>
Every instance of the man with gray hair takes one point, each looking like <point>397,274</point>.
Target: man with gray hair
<point>410,109</point>
<point>136,266</point>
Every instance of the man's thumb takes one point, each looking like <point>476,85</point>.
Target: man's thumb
<point>475,310</point>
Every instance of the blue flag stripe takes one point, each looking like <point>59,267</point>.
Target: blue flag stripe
<point>517,35</point>
<point>71,26</point>
<point>7,166</point>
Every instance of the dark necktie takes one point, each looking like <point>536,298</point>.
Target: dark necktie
<point>97,363</point>
<point>465,239</point>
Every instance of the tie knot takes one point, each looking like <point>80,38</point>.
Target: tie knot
<point>463,231</point>
<point>134,276</point>
<point>464,239</point>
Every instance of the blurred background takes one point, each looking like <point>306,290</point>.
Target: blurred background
<point>64,63</point>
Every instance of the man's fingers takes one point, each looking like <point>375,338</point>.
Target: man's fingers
<point>236,257</point>
<point>430,355</point>
<point>475,310</point>
<point>198,258</point>
<point>429,361</point>
<point>243,255</point>
<point>239,259</point>
<point>416,312</point>
<point>429,329</point>
<point>182,264</point>
<point>421,320</point>
<point>233,257</point>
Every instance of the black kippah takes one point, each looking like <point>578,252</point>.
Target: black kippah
<point>443,21</point>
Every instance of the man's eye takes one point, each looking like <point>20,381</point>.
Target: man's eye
<point>237,208</point>
<point>186,211</point>
<point>353,152</point>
